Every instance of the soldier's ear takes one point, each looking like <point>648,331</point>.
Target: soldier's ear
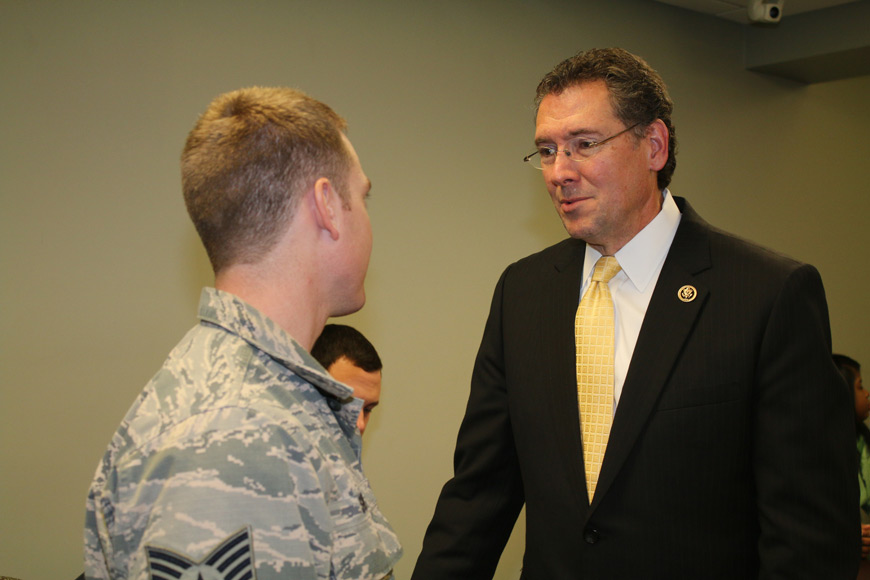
<point>325,206</point>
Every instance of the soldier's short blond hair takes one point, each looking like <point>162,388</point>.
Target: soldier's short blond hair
<point>247,162</point>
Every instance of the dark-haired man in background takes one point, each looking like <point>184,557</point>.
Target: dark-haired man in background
<point>351,359</point>
<point>702,433</point>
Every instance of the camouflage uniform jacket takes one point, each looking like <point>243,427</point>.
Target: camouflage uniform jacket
<point>241,460</point>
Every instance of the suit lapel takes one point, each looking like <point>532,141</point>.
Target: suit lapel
<point>558,319</point>
<point>666,326</point>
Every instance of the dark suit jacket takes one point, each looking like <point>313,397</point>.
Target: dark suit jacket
<point>732,449</point>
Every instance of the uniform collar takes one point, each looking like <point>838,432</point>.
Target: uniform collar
<point>240,318</point>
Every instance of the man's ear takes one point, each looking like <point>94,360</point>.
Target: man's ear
<point>326,203</point>
<point>658,136</point>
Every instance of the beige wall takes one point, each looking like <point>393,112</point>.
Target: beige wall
<point>101,270</point>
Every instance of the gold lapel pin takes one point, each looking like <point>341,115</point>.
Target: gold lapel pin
<point>687,293</point>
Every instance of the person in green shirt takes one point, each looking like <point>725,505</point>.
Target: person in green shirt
<point>851,371</point>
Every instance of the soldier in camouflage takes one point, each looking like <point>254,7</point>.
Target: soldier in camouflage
<point>241,458</point>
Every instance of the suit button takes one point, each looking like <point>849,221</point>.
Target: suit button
<point>590,535</point>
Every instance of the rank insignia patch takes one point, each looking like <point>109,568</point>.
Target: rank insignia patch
<point>232,559</point>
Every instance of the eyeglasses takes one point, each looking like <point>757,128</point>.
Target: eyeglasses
<point>577,149</point>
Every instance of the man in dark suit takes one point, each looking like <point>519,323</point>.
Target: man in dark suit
<point>730,452</point>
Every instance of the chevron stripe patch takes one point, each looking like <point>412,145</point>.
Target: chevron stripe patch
<point>232,559</point>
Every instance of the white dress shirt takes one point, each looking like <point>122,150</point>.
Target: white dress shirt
<point>641,259</point>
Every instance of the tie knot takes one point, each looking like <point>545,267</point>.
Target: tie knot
<point>605,268</point>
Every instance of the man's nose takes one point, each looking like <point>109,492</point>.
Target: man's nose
<point>564,169</point>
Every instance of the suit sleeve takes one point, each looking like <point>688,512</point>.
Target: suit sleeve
<point>478,507</point>
<point>804,442</point>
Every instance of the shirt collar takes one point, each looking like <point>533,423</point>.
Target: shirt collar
<point>240,318</point>
<point>642,256</point>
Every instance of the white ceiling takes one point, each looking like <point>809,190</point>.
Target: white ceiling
<point>736,9</point>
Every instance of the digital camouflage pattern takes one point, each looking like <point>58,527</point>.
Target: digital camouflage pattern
<point>240,459</point>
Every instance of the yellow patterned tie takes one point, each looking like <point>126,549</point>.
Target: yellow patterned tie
<point>593,333</point>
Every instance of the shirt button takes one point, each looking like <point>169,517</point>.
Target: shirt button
<point>590,536</point>
<point>334,404</point>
